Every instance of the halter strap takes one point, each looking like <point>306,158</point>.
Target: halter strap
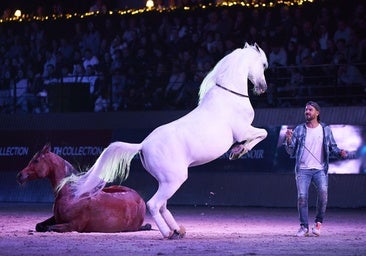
<point>236,93</point>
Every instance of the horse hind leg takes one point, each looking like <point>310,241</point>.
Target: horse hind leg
<point>176,232</point>
<point>161,215</point>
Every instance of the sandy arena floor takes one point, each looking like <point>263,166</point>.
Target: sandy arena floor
<point>210,231</point>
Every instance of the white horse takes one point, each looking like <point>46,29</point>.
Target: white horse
<point>223,116</point>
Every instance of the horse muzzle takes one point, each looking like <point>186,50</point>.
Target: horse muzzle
<point>20,178</point>
<point>260,88</point>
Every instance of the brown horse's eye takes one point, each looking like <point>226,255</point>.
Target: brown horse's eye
<point>35,161</point>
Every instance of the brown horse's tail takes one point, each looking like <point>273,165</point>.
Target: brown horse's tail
<point>113,163</point>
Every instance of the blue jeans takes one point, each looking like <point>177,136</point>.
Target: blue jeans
<point>320,180</point>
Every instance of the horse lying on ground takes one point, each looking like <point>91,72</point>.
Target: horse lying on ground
<point>113,209</point>
<point>223,117</point>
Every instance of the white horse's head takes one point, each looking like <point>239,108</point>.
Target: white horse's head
<point>256,68</point>
<point>235,69</point>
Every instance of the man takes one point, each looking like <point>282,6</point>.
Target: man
<point>312,143</point>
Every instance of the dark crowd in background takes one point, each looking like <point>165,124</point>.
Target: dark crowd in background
<point>156,60</point>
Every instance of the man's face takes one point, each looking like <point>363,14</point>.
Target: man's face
<point>311,113</point>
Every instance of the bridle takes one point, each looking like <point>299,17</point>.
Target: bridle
<point>236,93</point>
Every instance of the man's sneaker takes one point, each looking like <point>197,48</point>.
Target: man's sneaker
<point>316,228</point>
<point>303,231</point>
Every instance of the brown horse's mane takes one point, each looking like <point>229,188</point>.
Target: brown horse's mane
<point>70,168</point>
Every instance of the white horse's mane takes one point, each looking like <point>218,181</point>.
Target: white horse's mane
<point>207,83</point>
<point>210,80</point>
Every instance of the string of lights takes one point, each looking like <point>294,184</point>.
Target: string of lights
<point>24,17</point>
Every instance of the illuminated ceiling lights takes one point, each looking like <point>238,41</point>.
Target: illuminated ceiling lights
<point>150,6</point>
<point>18,13</point>
<point>263,3</point>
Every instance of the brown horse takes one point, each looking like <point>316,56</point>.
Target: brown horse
<point>114,209</point>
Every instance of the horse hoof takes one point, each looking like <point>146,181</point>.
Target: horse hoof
<point>237,152</point>
<point>233,156</point>
<point>174,235</point>
<point>147,226</point>
<point>41,228</point>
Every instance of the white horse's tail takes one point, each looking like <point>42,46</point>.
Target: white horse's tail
<point>113,163</point>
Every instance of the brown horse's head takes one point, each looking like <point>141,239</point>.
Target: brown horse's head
<point>37,168</point>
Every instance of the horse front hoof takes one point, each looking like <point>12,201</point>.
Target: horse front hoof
<point>174,235</point>
<point>233,156</point>
<point>237,152</point>
<point>41,228</point>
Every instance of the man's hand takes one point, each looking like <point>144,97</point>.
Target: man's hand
<point>344,153</point>
<point>288,136</point>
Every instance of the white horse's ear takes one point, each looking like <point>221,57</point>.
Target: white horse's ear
<point>256,46</point>
<point>246,45</point>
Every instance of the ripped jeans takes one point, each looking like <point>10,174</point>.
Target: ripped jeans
<point>320,180</point>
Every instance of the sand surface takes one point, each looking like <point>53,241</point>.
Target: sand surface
<point>210,231</point>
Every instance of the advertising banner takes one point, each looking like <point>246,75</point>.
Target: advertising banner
<point>79,147</point>
<point>82,147</point>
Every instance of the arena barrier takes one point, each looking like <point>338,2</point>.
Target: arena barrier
<point>264,177</point>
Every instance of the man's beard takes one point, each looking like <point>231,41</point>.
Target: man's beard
<point>309,118</point>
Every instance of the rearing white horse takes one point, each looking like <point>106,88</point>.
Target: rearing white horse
<point>223,116</point>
